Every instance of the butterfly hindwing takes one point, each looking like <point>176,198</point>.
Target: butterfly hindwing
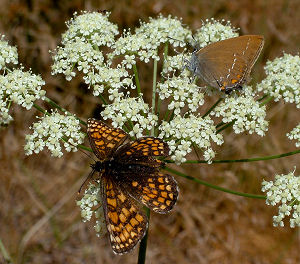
<point>104,139</point>
<point>156,190</point>
<point>125,220</point>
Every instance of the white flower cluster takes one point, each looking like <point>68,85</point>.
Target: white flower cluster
<point>183,93</point>
<point>295,135</point>
<point>173,63</point>
<point>246,113</point>
<point>8,54</point>
<point>91,27</point>
<point>283,79</point>
<point>50,131</point>
<point>134,110</point>
<point>77,53</point>
<point>91,204</point>
<point>113,78</point>
<point>148,37</point>
<point>285,190</point>
<point>19,87</point>
<point>213,30</point>
<point>182,132</point>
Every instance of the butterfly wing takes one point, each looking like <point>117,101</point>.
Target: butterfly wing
<point>143,151</point>
<point>227,64</point>
<point>141,176</point>
<point>156,190</point>
<point>125,220</point>
<point>104,139</point>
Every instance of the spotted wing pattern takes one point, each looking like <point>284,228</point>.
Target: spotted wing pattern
<point>142,149</point>
<point>125,220</point>
<point>157,191</point>
<point>104,139</point>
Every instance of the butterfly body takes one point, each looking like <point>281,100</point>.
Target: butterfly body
<point>226,64</point>
<point>130,177</point>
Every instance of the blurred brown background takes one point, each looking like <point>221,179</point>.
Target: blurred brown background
<point>39,221</point>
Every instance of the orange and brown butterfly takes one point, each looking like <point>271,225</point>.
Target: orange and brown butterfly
<point>130,177</point>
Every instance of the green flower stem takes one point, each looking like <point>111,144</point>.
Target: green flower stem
<point>52,103</point>
<point>249,195</point>
<point>242,160</point>
<point>5,254</point>
<point>225,126</point>
<point>269,98</point>
<point>154,91</point>
<point>137,81</point>
<point>41,109</point>
<point>143,244</point>
<point>103,99</point>
<point>212,107</point>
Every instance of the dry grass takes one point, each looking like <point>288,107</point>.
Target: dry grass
<point>39,220</point>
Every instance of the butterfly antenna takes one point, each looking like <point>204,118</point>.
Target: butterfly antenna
<point>87,154</point>
<point>85,181</point>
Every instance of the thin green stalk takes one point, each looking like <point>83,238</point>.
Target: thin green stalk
<point>227,125</point>
<point>249,195</point>
<point>270,98</point>
<point>213,107</point>
<point>278,156</point>
<point>5,254</point>
<point>154,91</point>
<point>103,99</point>
<point>40,109</point>
<point>137,81</point>
<point>143,244</point>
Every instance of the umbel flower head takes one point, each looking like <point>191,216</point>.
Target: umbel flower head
<point>49,132</point>
<point>295,135</point>
<point>285,192</point>
<point>283,79</point>
<point>16,85</point>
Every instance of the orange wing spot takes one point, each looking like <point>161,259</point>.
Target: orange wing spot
<point>125,212</point>
<point>133,222</point>
<point>154,148</point>
<point>168,188</point>
<point>154,191</point>
<point>161,187</point>
<point>146,190</point>
<point>118,240</point>
<point>112,202</point>
<point>122,218</point>
<point>122,238</point>
<point>150,180</point>
<point>161,180</point>
<point>114,217</point>
<point>238,76</point>
<point>121,135</point>
<point>122,197</point>
<point>112,227</point>
<point>130,240</point>
<point>128,153</point>
<point>171,195</point>
<point>161,200</point>
<point>156,153</point>
<point>99,143</point>
<point>134,184</point>
<point>146,198</point>
<point>155,203</point>
<point>152,185</point>
<point>151,195</point>
<point>114,133</point>
<point>121,246</point>
<point>132,209</point>
<point>104,135</point>
<point>139,218</point>
<point>164,194</point>
<point>163,207</point>
<point>109,138</point>
<point>234,81</point>
<point>110,145</point>
<point>139,229</point>
<point>129,228</point>
<point>145,149</point>
<point>168,202</point>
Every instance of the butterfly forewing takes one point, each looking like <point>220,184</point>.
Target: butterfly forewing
<point>142,148</point>
<point>227,64</point>
<point>104,140</point>
<point>125,220</point>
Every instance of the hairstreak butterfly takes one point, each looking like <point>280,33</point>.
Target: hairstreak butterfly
<point>227,64</point>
